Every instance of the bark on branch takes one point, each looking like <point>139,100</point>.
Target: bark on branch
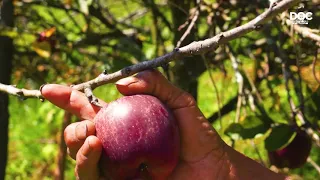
<point>304,31</point>
<point>194,48</point>
<point>21,93</point>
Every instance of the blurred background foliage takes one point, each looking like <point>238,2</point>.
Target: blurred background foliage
<point>243,88</point>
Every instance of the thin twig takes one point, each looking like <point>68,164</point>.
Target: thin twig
<point>239,79</point>
<point>251,100</point>
<point>304,31</point>
<point>308,128</point>
<point>194,48</point>
<point>133,16</point>
<point>187,32</point>
<point>314,164</point>
<point>156,12</point>
<point>307,125</point>
<point>297,82</point>
<point>258,153</point>
<point>215,89</point>
<point>286,76</point>
<point>253,86</point>
<point>192,23</point>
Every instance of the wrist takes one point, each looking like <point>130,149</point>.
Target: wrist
<point>242,167</point>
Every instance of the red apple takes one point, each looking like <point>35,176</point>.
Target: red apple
<point>294,155</point>
<point>140,138</point>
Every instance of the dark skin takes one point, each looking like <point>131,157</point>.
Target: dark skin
<point>203,154</point>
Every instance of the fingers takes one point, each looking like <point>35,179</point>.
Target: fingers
<point>75,135</point>
<point>198,137</point>
<point>82,145</point>
<point>87,159</point>
<point>154,83</point>
<point>70,100</point>
<point>85,148</point>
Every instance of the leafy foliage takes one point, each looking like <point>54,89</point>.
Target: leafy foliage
<point>68,42</point>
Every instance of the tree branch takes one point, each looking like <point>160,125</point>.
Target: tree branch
<point>21,93</point>
<point>194,48</point>
<point>304,31</point>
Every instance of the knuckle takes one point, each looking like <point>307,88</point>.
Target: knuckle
<point>70,136</point>
<point>150,75</point>
<point>91,127</point>
<point>189,98</point>
<point>185,99</point>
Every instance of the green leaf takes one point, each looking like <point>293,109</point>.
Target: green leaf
<point>84,6</point>
<point>279,137</point>
<point>234,131</point>
<point>249,128</point>
<point>252,122</point>
<point>48,151</point>
<point>9,33</point>
<point>234,128</point>
<point>254,125</point>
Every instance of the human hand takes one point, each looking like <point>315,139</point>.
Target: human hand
<point>203,154</point>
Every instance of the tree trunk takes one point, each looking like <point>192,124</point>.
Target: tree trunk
<point>6,55</point>
<point>185,72</point>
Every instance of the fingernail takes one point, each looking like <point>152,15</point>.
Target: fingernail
<point>87,149</point>
<point>127,81</point>
<point>81,131</point>
<point>41,87</point>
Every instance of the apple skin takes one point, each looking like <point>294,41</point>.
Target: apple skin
<point>140,138</point>
<point>294,155</point>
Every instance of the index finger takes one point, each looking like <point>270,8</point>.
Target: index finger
<point>70,100</point>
